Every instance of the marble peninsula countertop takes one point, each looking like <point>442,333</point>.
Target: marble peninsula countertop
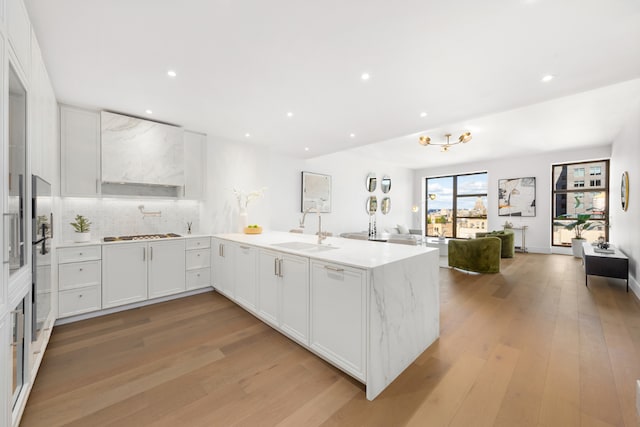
<point>352,252</point>
<point>72,244</point>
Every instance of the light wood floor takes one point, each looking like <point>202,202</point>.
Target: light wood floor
<point>530,346</point>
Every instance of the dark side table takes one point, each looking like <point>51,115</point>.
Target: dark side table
<point>614,265</point>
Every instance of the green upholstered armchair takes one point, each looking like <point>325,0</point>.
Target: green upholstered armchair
<point>507,237</point>
<point>480,255</point>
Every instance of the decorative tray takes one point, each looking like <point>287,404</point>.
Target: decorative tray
<point>604,251</point>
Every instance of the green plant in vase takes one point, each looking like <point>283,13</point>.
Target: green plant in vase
<point>578,225</point>
<point>82,227</point>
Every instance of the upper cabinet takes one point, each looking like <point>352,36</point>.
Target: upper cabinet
<point>136,151</point>
<point>194,160</point>
<point>80,152</point>
<point>19,30</point>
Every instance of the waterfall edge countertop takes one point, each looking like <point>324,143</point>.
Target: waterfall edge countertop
<point>355,253</point>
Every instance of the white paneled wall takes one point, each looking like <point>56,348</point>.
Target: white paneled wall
<point>117,217</point>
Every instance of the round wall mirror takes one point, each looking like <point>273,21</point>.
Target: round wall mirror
<point>372,205</point>
<point>385,207</point>
<point>372,182</point>
<point>386,184</point>
<point>624,191</point>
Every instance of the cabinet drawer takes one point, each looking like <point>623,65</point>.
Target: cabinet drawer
<point>81,253</point>
<point>198,259</point>
<point>198,243</point>
<point>77,301</point>
<point>198,278</point>
<point>79,274</point>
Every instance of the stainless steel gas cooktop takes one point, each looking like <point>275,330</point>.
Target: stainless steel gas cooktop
<point>141,237</point>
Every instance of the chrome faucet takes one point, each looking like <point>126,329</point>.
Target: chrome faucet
<point>321,235</point>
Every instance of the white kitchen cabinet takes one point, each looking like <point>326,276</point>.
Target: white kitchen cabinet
<point>222,255</point>
<point>194,160</point>
<point>338,315</point>
<point>79,280</point>
<point>166,263</point>
<point>19,30</point>
<point>198,262</point>
<point>283,293</point>
<point>79,152</point>
<point>245,257</point>
<point>133,272</point>
<point>124,274</point>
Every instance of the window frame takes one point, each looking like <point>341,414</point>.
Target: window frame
<point>454,206</point>
<point>605,187</point>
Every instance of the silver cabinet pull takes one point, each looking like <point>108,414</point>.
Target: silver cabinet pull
<point>80,269</point>
<point>151,253</point>
<point>332,268</point>
<point>80,254</point>
<point>144,254</point>
<point>198,254</point>
<point>97,186</point>
<point>280,268</point>
<point>245,247</point>
<point>275,267</point>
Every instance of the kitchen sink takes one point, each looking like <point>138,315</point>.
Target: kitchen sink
<point>303,246</point>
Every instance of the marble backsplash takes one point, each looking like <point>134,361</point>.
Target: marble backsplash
<point>118,217</point>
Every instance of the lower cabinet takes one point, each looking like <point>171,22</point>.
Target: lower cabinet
<point>222,262</point>
<point>245,260</point>
<point>283,293</point>
<point>338,315</point>
<point>133,272</point>
<point>198,262</point>
<point>79,280</point>
<point>166,268</point>
<point>124,274</point>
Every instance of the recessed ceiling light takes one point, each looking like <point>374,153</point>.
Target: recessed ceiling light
<point>148,111</point>
<point>289,114</point>
<point>352,135</point>
<point>547,78</point>
<point>247,135</point>
<point>171,73</point>
<point>306,148</point>
<point>423,114</point>
<point>365,76</point>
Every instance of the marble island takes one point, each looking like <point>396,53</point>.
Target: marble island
<point>369,308</point>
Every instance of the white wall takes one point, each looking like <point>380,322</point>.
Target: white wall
<point>625,226</point>
<point>538,235</point>
<point>248,167</point>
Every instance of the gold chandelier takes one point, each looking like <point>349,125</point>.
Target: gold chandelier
<point>444,146</point>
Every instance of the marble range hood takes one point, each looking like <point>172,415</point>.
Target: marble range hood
<point>140,156</point>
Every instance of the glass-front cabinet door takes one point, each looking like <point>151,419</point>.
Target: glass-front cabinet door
<point>15,209</point>
<point>17,351</point>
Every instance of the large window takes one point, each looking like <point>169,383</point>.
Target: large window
<point>574,196</point>
<point>456,205</point>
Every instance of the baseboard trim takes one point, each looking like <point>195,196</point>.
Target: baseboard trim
<point>634,286</point>
<point>112,310</point>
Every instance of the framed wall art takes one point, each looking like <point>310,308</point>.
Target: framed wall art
<point>517,197</point>
<point>316,192</point>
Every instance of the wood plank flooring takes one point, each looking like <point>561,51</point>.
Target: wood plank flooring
<point>531,346</point>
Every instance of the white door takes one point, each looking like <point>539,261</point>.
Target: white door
<point>245,276</point>
<point>268,286</point>
<point>166,268</point>
<point>222,264</point>
<point>124,274</point>
<point>294,291</point>
<point>338,315</point>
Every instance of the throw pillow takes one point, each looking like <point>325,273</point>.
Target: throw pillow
<point>403,229</point>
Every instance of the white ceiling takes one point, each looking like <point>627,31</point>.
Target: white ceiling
<point>242,65</point>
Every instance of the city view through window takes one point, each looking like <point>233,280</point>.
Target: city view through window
<point>580,189</point>
<point>456,206</point>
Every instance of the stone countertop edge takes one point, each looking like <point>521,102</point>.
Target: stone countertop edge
<point>71,244</point>
<point>350,252</point>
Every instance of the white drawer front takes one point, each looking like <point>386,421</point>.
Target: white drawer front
<point>198,278</point>
<point>79,274</point>
<point>81,253</point>
<point>77,301</point>
<point>198,259</point>
<point>198,243</point>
